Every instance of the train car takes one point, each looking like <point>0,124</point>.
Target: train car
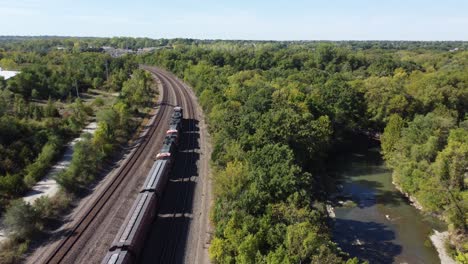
<point>176,119</point>
<point>118,256</point>
<point>174,134</point>
<point>157,178</point>
<point>168,149</point>
<point>175,124</point>
<point>179,111</point>
<point>131,235</point>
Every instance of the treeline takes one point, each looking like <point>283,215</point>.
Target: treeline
<point>276,111</point>
<point>45,44</point>
<point>59,75</point>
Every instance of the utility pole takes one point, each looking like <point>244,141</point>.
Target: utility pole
<point>107,70</point>
<point>76,88</point>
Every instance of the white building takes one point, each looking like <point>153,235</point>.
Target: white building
<point>8,74</point>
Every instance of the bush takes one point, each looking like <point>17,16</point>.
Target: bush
<point>50,208</point>
<point>12,250</point>
<point>98,101</point>
<point>11,185</point>
<point>83,167</point>
<point>37,170</point>
<point>22,220</point>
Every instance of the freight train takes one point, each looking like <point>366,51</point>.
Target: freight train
<point>129,240</point>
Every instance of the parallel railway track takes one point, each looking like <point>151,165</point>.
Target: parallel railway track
<point>169,250</point>
<point>175,219</point>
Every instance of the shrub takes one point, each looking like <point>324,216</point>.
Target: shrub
<point>22,220</point>
<point>12,250</point>
<point>98,101</point>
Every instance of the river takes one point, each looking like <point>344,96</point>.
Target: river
<point>380,225</point>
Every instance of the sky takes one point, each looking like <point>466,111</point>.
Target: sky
<point>241,19</point>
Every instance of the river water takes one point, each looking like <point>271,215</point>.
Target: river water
<point>382,227</point>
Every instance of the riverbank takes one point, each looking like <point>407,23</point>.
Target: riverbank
<point>439,239</point>
<point>373,220</point>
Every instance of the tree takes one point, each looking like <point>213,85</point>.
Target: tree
<point>8,64</point>
<point>50,110</point>
<point>137,90</point>
<point>21,219</point>
<point>391,136</point>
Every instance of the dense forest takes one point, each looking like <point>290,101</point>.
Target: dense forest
<point>42,107</point>
<point>277,112</point>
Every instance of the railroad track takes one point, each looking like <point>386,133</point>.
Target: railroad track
<point>180,210</point>
<point>184,195</point>
<point>105,198</point>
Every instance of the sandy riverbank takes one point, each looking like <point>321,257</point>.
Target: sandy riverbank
<point>438,240</point>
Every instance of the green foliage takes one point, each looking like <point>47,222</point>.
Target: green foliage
<point>391,136</point>
<point>462,257</point>
<point>12,251</point>
<point>264,131</point>
<point>37,170</point>
<point>429,156</point>
<point>21,219</point>
<point>84,166</point>
<point>276,111</point>
<point>136,92</point>
<point>114,127</point>
<point>99,101</point>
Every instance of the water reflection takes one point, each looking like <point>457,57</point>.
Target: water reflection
<point>369,240</point>
<point>382,227</point>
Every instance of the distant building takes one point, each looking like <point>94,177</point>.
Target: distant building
<point>116,52</point>
<point>146,50</point>
<point>8,74</point>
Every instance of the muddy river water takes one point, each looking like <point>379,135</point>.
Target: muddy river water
<point>379,225</point>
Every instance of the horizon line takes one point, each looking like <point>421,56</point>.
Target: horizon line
<point>235,39</point>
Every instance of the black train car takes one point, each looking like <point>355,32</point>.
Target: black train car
<point>157,178</point>
<point>168,149</point>
<point>176,119</point>
<point>131,235</point>
<point>118,256</point>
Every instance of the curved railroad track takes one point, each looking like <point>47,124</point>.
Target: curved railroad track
<point>168,241</point>
<point>168,251</point>
<point>106,201</point>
